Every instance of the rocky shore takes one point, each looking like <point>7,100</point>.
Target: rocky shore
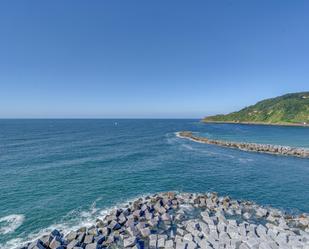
<point>186,221</point>
<point>263,148</point>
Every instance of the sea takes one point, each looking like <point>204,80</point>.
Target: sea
<point>64,174</point>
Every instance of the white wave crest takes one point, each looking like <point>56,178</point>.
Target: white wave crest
<point>245,160</point>
<point>10,223</point>
<point>74,220</point>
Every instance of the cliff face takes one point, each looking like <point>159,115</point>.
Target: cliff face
<point>290,108</point>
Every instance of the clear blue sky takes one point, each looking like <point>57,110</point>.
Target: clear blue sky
<point>149,58</point>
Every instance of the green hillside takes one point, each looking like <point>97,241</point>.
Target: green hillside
<point>287,109</point>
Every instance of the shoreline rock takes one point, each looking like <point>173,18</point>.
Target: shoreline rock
<point>186,221</point>
<point>253,147</point>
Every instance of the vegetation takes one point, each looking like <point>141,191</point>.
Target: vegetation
<point>288,109</point>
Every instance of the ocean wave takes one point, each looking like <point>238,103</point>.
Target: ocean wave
<point>10,223</point>
<point>204,150</point>
<point>74,220</point>
<point>245,160</point>
<point>187,146</point>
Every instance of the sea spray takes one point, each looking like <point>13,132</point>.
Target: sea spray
<point>10,223</point>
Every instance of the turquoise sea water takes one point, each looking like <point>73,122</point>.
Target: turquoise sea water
<point>263,134</point>
<point>65,173</point>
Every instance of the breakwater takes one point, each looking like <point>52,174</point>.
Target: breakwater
<point>185,221</point>
<point>263,148</point>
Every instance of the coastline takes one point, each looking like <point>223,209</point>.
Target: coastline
<point>256,123</point>
<point>185,221</point>
<point>251,147</point>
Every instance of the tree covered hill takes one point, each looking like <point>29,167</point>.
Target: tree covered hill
<point>292,108</point>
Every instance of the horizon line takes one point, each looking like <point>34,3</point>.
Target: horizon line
<point>108,118</point>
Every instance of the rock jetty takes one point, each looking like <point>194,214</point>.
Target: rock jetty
<point>186,221</point>
<point>263,148</point>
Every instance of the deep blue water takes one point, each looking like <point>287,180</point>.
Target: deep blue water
<point>64,173</point>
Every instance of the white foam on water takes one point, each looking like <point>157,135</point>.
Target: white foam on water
<point>211,153</point>
<point>74,220</point>
<point>186,207</point>
<point>171,138</point>
<point>187,146</point>
<point>245,160</point>
<point>10,223</point>
<point>12,244</point>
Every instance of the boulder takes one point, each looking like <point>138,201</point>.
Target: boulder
<point>71,235</point>
<point>122,219</point>
<point>55,243</point>
<point>46,239</point>
<point>145,232</point>
<point>161,243</point>
<point>55,233</point>
<point>129,242</point>
<point>181,245</point>
<point>72,244</point>
<point>152,242</point>
<point>99,239</point>
<point>165,217</point>
<point>91,246</point>
<point>81,237</point>
<point>88,239</point>
<point>37,244</point>
<point>114,225</point>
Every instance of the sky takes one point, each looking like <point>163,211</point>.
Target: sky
<point>149,59</point>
